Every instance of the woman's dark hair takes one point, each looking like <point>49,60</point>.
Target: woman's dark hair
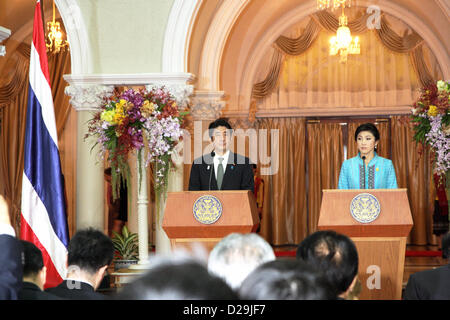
<point>368,127</point>
<point>221,122</point>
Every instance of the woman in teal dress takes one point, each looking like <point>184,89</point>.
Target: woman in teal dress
<point>367,170</point>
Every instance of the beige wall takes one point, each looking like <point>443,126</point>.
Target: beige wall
<point>126,36</point>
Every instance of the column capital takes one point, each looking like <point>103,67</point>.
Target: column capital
<point>207,105</point>
<point>88,97</point>
<point>86,89</point>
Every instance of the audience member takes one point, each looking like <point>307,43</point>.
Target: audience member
<point>236,255</point>
<point>178,280</point>
<point>89,254</point>
<point>34,273</point>
<point>431,284</point>
<point>286,279</point>
<point>10,256</point>
<point>335,255</point>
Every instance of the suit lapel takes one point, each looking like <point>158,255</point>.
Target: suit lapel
<point>208,162</point>
<point>231,164</point>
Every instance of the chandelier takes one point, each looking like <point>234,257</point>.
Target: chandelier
<point>333,4</point>
<point>55,38</point>
<point>343,43</point>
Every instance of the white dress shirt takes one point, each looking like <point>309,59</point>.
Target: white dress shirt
<point>224,162</point>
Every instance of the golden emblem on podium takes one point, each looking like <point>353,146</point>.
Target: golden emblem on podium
<point>365,208</point>
<point>207,209</point>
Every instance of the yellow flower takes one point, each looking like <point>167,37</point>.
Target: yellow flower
<point>121,103</point>
<point>432,111</point>
<point>108,115</point>
<point>118,118</point>
<point>147,108</point>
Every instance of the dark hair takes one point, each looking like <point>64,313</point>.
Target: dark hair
<point>187,280</point>
<point>221,122</point>
<point>332,253</point>
<point>368,127</point>
<point>446,246</point>
<point>286,279</point>
<point>32,259</point>
<point>90,250</point>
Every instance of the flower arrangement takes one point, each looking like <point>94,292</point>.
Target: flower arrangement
<point>431,118</point>
<point>130,120</point>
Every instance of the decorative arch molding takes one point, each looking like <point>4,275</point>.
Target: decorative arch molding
<point>25,31</point>
<point>229,12</point>
<point>77,35</point>
<point>303,11</point>
<point>216,38</point>
<point>178,33</point>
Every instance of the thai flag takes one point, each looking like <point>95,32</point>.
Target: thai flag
<point>43,218</point>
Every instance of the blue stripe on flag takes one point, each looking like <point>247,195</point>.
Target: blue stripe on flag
<point>43,168</point>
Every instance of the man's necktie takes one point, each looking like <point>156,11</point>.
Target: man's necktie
<point>220,174</point>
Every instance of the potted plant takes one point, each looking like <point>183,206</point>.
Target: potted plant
<point>126,249</point>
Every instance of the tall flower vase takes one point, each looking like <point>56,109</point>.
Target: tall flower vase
<point>162,242</point>
<point>174,183</point>
<point>142,208</point>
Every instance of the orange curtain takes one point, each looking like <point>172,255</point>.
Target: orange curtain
<point>325,156</point>
<point>14,106</point>
<point>413,170</point>
<point>284,217</point>
<point>12,138</point>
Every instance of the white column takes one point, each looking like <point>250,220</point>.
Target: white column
<point>86,99</point>
<point>142,207</point>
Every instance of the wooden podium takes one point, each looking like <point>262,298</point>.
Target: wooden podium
<point>239,214</point>
<point>381,243</point>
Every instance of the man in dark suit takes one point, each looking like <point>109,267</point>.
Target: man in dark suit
<point>221,169</point>
<point>89,254</point>
<point>34,273</point>
<point>431,284</point>
<point>10,256</point>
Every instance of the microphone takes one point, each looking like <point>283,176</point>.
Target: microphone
<point>212,169</point>
<point>364,168</point>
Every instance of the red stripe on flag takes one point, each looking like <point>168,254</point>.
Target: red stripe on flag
<point>39,41</point>
<point>26,233</point>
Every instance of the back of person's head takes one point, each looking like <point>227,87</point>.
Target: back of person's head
<point>446,246</point>
<point>236,255</point>
<point>90,249</point>
<point>286,279</point>
<point>333,254</point>
<point>32,259</point>
<point>177,280</point>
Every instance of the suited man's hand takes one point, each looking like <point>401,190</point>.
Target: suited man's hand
<point>4,211</point>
